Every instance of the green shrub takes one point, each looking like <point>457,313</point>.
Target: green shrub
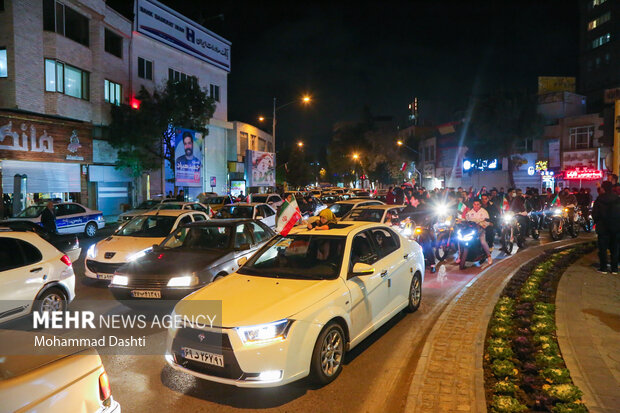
<point>552,361</point>
<point>504,368</point>
<point>542,327</point>
<point>500,352</point>
<point>507,404</point>
<point>501,331</point>
<point>505,387</point>
<point>550,348</point>
<point>543,338</point>
<point>556,376</point>
<point>563,392</point>
<point>576,407</point>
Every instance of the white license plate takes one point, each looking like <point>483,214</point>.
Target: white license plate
<point>105,276</point>
<point>203,356</point>
<point>146,294</point>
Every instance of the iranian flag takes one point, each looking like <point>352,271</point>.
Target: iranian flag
<point>287,217</point>
<point>403,167</point>
<point>556,200</point>
<point>505,204</point>
<point>462,208</point>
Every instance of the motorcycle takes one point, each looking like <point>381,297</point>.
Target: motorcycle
<point>584,218</point>
<point>445,241</point>
<point>469,244</point>
<point>561,223</point>
<point>511,231</point>
<point>535,218</point>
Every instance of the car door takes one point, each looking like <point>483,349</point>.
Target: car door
<point>22,274</point>
<point>182,220</point>
<point>198,217</point>
<point>369,293</point>
<point>393,262</point>
<point>269,217</point>
<point>70,218</point>
<point>243,241</point>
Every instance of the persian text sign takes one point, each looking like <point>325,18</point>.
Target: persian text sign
<point>585,174</point>
<point>158,22</point>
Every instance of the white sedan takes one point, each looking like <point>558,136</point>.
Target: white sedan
<point>133,239</point>
<point>297,306</point>
<point>262,212</point>
<point>34,276</point>
<point>71,218</point>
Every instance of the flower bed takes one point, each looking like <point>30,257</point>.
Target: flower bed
<point>523,365</point>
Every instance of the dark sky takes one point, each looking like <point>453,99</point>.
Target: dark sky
<point>383,53</point>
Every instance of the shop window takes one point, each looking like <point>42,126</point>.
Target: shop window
<point>3,63</point>
<point>62,78</point>
<point>581,137</point>
<point>214,92</point>
<point>113,43</point>
<point>145,69</point>
<point>112,92</point>
<point>65,21</point>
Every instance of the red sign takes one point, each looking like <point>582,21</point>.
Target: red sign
<point>585,174</point>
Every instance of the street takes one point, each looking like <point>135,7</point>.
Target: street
<point>376,376</point>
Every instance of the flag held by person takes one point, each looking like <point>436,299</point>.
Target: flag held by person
<point>287,217</point>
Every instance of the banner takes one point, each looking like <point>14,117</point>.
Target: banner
<point>188,158</point>
<point>260,168</point>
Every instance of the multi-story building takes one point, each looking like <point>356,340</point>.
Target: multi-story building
<point>243,137</point>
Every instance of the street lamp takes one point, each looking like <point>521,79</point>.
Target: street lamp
<point>401,143</point>
<point>300,144</point>
<point>305,100</point>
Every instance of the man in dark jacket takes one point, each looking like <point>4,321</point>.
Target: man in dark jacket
<point>494,215</point>
<point>606,215</point>
<point>48,218</point>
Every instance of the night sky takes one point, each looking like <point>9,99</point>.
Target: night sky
<point>382,54</point>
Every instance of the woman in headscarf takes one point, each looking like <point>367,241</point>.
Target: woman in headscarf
<point>327,219</point>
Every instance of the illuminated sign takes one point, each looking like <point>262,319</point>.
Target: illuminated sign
<point>585,174</point>
<point>481,164</point>
<point>542,165</point>
<point>531,171</point>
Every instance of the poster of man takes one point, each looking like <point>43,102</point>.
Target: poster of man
<point>261,169</point>
<point>188,158</point>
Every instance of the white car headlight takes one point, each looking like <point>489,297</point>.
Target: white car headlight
<point>465,237</point>
<point>183,281</point>
<point>139,254</point>
<point>441,210</point>
<point>120,280</point>
<point>264,333</point>
<point>92,251</point>
<point>508,217</point>
<point>557,211</point>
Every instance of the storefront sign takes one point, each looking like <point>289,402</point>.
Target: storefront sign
<point>42,139</point>
<point>611,95</point>
<point>481,164</point>
<point>542,165</point>
<point>158,22</point>
<point>583,174</point>
<point>260,168</point>
<point>548,84</point>
<point>237,187</point>
<point>188,158</point>
<point>583,159</point>
<point>213,181</point>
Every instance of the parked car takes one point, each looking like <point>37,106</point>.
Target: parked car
<point>69,244</point>
<point>74,382</point>
<point>298,305</point>
<point>191,257</point>
<point>34,275</point>
<point>139,210</point>
<point>205,195</point>
<point>382,214</point>
<point>134,238</point>
<point>71,218</point>
<point>217,202</point>
<point>272,199</point>
<point>195,206</point>
<point>261,212</point>
<point>340,208</point>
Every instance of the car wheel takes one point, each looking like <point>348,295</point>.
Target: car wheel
<point>51,300</point>
<point>328,354</point>
<point>415,293</point>
<point>90,230</point>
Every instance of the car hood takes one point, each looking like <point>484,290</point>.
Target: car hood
<point>134,212</point>
<point>251,300</point>
<point>123,247</point>
<point>166,264</point>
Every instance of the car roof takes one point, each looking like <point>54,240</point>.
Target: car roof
<point>357,201</point>
<point>220,222</point>
<point>379,207</point>
<point>170,212</point>
<point>342,228</point>
<point>251,204</point>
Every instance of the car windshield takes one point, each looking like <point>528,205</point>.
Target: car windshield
<point>155,226</point>
<point>359,214</point>
<point>298,256</point>
<point>259,198</point>
<point>340,209</point>
<point>148,204</point>
<point>171,206</point>
<point>216,200</point>
<point>31,212</point>
<point>235,212</point>
<point>199,238</point>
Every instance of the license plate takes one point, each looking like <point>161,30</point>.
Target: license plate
<point>105,276</point>
<point>146,294</point>
<point>202,356</point>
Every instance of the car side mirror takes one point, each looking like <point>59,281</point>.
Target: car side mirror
<point>241,261</point>
<point>259,217</point>
<point>243,247</point>
<point>156,247</point>
<point>362,269</point>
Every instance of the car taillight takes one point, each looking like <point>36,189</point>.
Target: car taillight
<point>66,260</point>
<point>104,387</point>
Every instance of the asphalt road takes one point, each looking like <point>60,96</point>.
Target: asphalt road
<point>376,375</point>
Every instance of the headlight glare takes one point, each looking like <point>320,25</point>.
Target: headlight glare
<point>120,280</point>
<point>139,254</point>
<point>183,281</point>
<point>264,333</point>
<point>92,251</point>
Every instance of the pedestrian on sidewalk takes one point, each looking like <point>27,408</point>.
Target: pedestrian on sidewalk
<point>606,216</point>
<point>48,218</point>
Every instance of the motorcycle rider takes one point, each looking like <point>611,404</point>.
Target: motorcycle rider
<point>494,214</point>
<point>419,212</point>
<point>517,206</point>
<point>533,205</point>
<point>569,200</point>
<point>480,216</point>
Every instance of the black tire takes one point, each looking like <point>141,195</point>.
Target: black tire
<point>463,258</point>
<point>441,251</point>
<point>90,230</point>
<point>507,245</point>
<point>52,299</point>
<point>587,226</point>
<point>574,230</point>
<point>415,293</point>
<point>331,336</point>
<point>554,230</point>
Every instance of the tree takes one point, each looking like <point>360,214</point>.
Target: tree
<point>144,137</point>
<point>499,122</point>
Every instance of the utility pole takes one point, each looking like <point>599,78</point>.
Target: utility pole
<point>616,149</point>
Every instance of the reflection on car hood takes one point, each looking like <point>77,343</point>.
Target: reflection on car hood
<point>248,300</point>
<point>134,212</point>
<point>123,247</point>
<point>166,264</point>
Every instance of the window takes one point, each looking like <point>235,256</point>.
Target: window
<point>214,92</point>
<point>145,69</point>
<point>595,3</point>
<point>185,220</point>
<point>112,92</point>
<point>198,217</point>
<point>269,147</point>
<point>385,241</point>
<point>31,254</point>
<point>593,24</point>
<point>65,21</point>
<point>243,144</point>
<point>177,76</point>
<point>362,250</point>
<point>262,144</point>
<point>266,211</point>
<point>60,77</point>
<point>8,258</point>
<point>3,63</point>
<point>601,40</point>
<point>113,43</point>
<point>581,137</point>
<point>526,145</point>
<point>68,209</point>
<point>242,236</point>
<point>259,233</point>
<point>607,58</point>
<point>253,143</point>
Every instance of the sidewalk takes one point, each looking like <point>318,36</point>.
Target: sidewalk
<point>449,375</point>
<point>588,320</point>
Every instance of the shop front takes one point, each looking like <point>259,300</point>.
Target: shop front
<point>42,158</point>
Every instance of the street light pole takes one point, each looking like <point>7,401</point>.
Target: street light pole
<point>273,126</point>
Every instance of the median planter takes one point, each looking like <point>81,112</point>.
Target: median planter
<point>523,365</point>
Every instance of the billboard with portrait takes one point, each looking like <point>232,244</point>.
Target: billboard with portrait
<point>188,147</point>
<point>260,168</point>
